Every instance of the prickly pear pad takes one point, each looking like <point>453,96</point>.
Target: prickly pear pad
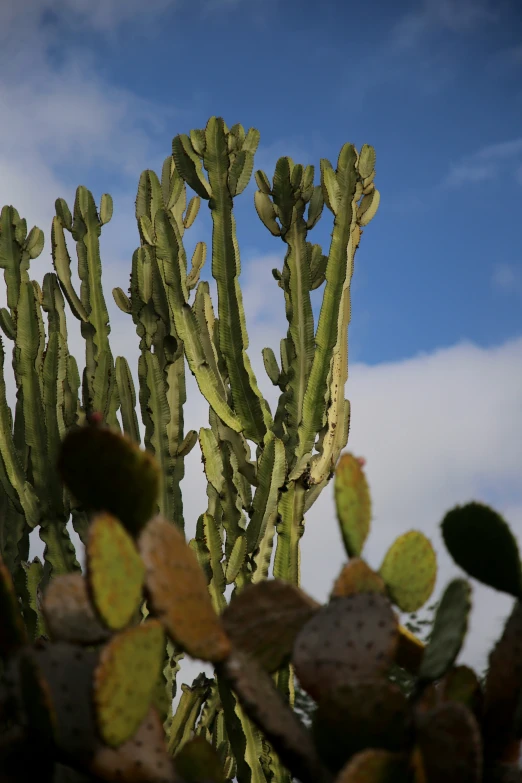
<point>410,651</point>
<point>375,766</point>
<point>106,471</point>
<point>351,639</point>
<point>179,593</point>
<point>357,577</point>
<point>115,572</point>
<point>264,706</point>
<point>503,687</point>
<point>68,612</point>
<point>351,718</point>
<point>142,758</point>
<point>37,700</point>
<point>462,685</point>
<point>409,569</point>
<point>124,680</point>
<point>12,629</point>
<point>481,542</point>
<point>352,499</point>
<point>449,630</point>
<point>198,761</point>
<point>450,744</point>
<point>265,618</point>
<point>68,671</point>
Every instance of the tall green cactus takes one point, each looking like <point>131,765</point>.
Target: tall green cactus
<point>250,497</point>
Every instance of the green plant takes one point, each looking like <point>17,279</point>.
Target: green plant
<point>84,705</point>
<point>255,501</point>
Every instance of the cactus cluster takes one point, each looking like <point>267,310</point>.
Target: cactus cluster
<point>264,468</point>
<point>82,703</point>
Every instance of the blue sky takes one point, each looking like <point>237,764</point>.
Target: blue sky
<point>92,93</point>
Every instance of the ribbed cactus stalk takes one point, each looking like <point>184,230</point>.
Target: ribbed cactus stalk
<point>254,500</point>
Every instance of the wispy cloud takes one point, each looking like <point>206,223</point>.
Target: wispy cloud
<point>507,278</point>
<point>453,16</point>
<point>487,164</point>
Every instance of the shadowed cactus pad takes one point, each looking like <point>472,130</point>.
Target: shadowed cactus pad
<point>68,671</point>
<point>503,688</point>
<point>462,685</point>
<point>68,612</point>
<point>265,618</point>
<point>106,471</point>
<point>481,542</point>
<point>179,593</point>
<point>142,759</point>
<point>449,630</point>
<point>409,570</point>
<point>198,762</point>
<point>449,741</point>
<point>357,577</point>
<point>375,766</point>
<point>351,718</point>
<point>115,572</point>
<point>124,680</point>
<point>13,634</point>
<point>410,650</point>
<point>352,499</point>
<point>351,639</point>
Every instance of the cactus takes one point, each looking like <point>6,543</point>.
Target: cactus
<point>256,499</point>
<point>85,701</point>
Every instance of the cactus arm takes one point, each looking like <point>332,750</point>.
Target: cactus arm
<point>290,529</point>
<point>167,249</point>
<point>271,476</point>
<point>243,737</point>
<point>12,474</point>
<point>334,440</point>
<point>339,190</point>
<point>249,404</point>
<point>127,395</point>
<point>291,192</point>
<point>62,264</point>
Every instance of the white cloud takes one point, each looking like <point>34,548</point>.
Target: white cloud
<point>486,164</point>
<point>455,16</point>
<point>507,278</point>
<point>437,430</point>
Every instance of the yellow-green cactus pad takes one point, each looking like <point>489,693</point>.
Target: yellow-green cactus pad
<point>12,628</point>
<point>115,572</point>
<point>449,630</point>
<point>357,577</point>
<point>68,612</point>
<point>450,744</point>
<point>481,542</point>
<point>198,761</point>
<point>375,766</point>
<point>351,639</point>
<point>125,678</point>
<point>351,718</point>
<point>142,758</point>
<point>265,707</point>
<point>179,594</point>
<point>409,570</point>
<point>265,618</point>
<point>352,499</point>
<point>106,471</point>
